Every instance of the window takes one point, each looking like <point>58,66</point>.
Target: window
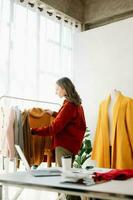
<point>35,51</point>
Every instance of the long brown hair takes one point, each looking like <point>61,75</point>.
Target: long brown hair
<point>72,95</point>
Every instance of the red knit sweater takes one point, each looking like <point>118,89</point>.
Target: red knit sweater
<point>68,128</point>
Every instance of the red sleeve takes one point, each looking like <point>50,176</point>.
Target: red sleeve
<point>64,116</point>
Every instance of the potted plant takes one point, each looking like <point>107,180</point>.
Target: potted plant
<point>85,151</point>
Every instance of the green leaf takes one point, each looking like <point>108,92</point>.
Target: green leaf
<point>85,150</point>
<point>88,157</point>
<point>83,159</point>
<point>86,135</point>
<point>87,130</point>
<point>87,144</point>
<point>88,151</point>
<point>76,165</point>
<point>78,160</point>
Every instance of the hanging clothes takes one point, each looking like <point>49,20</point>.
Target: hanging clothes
<point>27,137</point>
<point>18,129</point>
<point>15,129</point>
<point>122,135</point>
<point>7,132</point>
<point>39,118</point>
<point>3,124</point>
<point>11,132</point>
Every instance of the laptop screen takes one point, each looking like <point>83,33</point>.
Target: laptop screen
<point>23,158</point>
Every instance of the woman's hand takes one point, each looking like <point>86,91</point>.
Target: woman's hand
<point>50,112</point>
<point>33,131</point>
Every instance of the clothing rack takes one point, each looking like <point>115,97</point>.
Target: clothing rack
<point>31,100</point>
<point>19,191</point>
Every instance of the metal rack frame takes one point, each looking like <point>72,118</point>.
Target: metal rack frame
<point>19,191</point>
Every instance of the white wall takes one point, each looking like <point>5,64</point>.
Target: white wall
<point>103,60</point>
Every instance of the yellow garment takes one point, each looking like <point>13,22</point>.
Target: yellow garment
<point>122,135</point>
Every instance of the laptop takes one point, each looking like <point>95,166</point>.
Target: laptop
<point>37,172</point>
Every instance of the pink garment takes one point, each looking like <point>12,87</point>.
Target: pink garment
<point>10,135</point>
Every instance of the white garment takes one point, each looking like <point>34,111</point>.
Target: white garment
<point>113,98</point>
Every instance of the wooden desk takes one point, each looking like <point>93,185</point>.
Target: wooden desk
<point>109,190</point>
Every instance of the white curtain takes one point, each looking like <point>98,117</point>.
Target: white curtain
<point>35,50</point>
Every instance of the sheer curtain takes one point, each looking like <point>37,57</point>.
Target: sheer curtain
<point>36,48</point>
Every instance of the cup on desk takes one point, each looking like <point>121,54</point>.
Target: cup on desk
<point>66,162</point>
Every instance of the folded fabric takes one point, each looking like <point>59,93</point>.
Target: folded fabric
<point>115,174</point>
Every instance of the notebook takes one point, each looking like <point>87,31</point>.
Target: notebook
<point>36,172</point>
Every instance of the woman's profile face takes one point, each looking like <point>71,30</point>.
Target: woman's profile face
<point>60,91</point>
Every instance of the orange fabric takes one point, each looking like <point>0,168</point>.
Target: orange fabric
<point>38,118</point>
<point>27,137</point>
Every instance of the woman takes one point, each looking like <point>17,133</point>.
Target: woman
<point>68,127</point>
